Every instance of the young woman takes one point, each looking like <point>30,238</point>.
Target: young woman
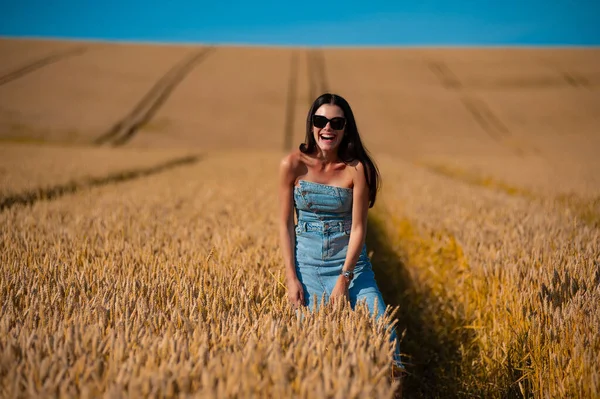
<point>331,182</point>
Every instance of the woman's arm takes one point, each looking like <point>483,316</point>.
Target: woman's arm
<point>287,236</point>
<point>360,208</point>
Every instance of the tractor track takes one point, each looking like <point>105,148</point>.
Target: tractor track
<point>445,75</point>
<point>485,118</point>
<point>317,74</point>
<point>54,192</point>
<point>574,79</point>
<point>40,63</point>
<point>491,124</point>
<point>569,77</point>
<point>124,130</point>
<point>290,106</point>
<point>317,85</point>
<point>450,81</point>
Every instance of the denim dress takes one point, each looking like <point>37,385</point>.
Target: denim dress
<point>324,215</point>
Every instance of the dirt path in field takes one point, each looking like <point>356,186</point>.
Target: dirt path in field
<point>484,116</point>
<point>445,75</point>
<point>290,105</point>
<point>563,78</point>
<point>571,78</point>
<point>317,74</point>
<point>54,192</point>
<point>431,360</point>
<point>126,128</point>
<point>40,63</point>
<point>490,123</point>
<point>317,85</point>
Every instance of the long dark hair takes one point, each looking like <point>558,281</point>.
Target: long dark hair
<point>351,147</point>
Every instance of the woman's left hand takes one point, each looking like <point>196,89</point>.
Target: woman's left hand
<point>341,289</point>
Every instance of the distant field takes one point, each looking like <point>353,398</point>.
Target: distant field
<point>24,168</point>
<point>139,226</point>
<point>483,109</point>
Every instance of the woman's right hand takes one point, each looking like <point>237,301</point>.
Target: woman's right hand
<point>295,292</point>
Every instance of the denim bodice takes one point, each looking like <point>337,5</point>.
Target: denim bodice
<point>322,202</point>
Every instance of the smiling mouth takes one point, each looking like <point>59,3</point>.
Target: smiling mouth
<point>327,137</point>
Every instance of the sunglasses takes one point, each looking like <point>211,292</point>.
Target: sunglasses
<point>337,123</point>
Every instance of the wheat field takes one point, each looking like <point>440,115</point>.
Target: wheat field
<point>139,232</point>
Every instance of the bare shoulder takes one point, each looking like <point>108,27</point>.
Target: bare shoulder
<point>357,170</point>
<point>291,161</point>
<point>291,164</point>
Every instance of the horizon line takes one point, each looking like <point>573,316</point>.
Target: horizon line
<point>275,45</point>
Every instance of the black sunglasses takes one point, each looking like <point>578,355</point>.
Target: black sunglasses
<point>337,123</point>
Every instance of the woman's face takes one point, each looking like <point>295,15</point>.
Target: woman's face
<point>328,133</point>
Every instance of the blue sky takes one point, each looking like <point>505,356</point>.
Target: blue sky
<point>311,23</point>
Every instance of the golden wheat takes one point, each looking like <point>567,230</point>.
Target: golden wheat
<point>512,281</point>
<point>172,285</point>
<point>528,176</point>
<point>167,285</point>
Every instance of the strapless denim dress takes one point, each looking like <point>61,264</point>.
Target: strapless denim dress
<point>324,215</point>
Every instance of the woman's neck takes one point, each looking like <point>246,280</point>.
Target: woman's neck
<point>327,157</point>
